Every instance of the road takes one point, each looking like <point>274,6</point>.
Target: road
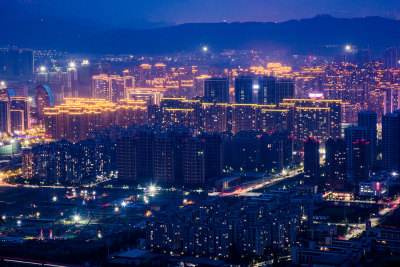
<point>361,227</point>
<point>254,185</point>
<point>28,262</point>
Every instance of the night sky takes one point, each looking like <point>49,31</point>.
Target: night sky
<point>118,12</point>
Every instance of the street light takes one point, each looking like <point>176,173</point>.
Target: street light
<point>72,64</point>
<point>77,218</point>
<point>205,48</point>
<point>42,69</point>
<point>54,198</point>
<point>152,189</point>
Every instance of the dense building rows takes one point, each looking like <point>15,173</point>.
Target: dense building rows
<point>180,156</point>
<point>301,117</point>
<point>247,227</point>
<point>66,163</point>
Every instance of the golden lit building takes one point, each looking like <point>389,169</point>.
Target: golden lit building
<point>77,117</point>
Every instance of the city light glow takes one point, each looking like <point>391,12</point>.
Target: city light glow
<point>77,218</point>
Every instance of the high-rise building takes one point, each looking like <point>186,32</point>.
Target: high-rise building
<point>199,85</point>
<point>368,119</point>
<point>214,117</point>
<point>273,91</point>
<point>78,117</point>
<point>193,162</point>
<point>270,119</point>
<point>315,117</point>
<point>243,90</point>
<point>101,87</point>
<point>20,114</point>
<point>284,89</point>
<point>111,88</point>
<point>44,99</point>
<point>216,89</point>
<point>244,117</point>
<point>335,164</point>
<point>84,79</point>
<point>351,135</point>
<point>14,62</point>
<point>266,91</point>
<point>26,63</point>
<point>391,58</point>
<point>311,161</point>
<point>117,89</point>
<point>391,141</point>
<point>212,155</point>
<point>144,74</point>
<point>159,70</point>
<point>360,171</point>
<point>70,80</point>
<point>164,164</point>
<point>145,154</point>
<point>5,116</point>
<point>312,121</point>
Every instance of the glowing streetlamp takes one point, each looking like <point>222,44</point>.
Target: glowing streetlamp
<point>152,189</point>
<point>42,69</point>
<point>205,48</point>
<point>77,218</point>
<point>72,64</point>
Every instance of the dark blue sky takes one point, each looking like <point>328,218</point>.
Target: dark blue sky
<point>181,11</point>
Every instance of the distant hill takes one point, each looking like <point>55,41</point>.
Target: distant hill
<point>318,35</point>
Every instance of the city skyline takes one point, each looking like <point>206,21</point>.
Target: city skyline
<point>127,143</point>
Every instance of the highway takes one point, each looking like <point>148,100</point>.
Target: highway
<point>28,262</point>
<point>254,185</point>
<point>361,227</point>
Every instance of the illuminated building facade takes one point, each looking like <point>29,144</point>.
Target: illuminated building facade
<point>215,117</point>
<point>244,117</point>
<point>66,162</point>
<point>320,118</point>
<point>75,119</point>
<point>112,88</point>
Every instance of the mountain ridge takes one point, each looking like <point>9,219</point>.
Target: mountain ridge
<point>323,34</point>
